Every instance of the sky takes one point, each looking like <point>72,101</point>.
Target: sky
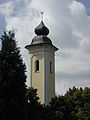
<point>69,25</point>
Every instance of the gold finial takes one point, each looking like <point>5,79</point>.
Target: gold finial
<point>42,15</point>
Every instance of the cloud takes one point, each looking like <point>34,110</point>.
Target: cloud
<point>69,27</point>
<point>63,85</point>
<point>6,8</point>
<point>73,75</point>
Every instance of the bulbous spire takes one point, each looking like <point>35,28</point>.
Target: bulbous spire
<point>41,29</point>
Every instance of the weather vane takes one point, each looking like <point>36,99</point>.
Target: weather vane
<point>42,15</point>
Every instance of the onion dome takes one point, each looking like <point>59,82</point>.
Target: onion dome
<point>41,38</point>
<point>41,29</point>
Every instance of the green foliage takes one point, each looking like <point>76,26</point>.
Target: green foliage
<point>32,97</point>
<point>74,105</point>
<point>13,78</point>
<point>56,109</point>
<point>34,108</point>
<point>81,101</point>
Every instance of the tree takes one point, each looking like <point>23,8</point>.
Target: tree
<point>80,102</point>
<point>34,108</point>
<point>13,78</point>
<point>74,105</point>
<point>57,109</point>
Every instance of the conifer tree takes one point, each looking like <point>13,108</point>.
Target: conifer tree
<point>12,79</point>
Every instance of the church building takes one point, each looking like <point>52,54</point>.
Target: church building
<point>42,64</point>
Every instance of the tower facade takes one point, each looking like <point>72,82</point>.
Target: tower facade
<point>42,64</point>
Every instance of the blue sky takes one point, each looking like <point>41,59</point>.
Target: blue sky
<point>87,5</point>
<point>69,25</point>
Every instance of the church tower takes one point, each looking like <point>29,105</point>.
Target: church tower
<point>42,64</point>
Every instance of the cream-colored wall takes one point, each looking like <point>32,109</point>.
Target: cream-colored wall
<point>50,77</point>
<point>37,77</point>
<point>43,80</point>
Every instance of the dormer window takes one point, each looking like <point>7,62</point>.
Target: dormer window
<point>36,65</point>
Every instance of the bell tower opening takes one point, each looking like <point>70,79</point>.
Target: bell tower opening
<point>36,65</point>
<point>50,66</point>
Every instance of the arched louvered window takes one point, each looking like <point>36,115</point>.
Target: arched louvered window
<point>36,65</point>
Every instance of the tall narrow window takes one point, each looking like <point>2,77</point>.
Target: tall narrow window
<point>50,67</point>
<point>36,65</point>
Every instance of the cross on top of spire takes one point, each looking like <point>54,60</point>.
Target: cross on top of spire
<point>41,15</point>
<point>41,29</point>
